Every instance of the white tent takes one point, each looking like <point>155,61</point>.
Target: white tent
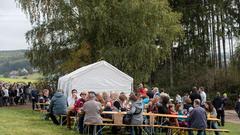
<point>100,76</point>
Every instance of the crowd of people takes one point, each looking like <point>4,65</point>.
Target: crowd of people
<point>88,106</point>
<point>194,105</point>
<point>14,93</point>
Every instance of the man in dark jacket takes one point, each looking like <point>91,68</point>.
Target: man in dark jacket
<point>237,107</point>
<point>219,104</point>
<point>195,95</point>
<point>34,95</point>
<point>1,96</point>
<point>58,106</point>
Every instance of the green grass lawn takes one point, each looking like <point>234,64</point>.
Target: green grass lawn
<point>26,122</point>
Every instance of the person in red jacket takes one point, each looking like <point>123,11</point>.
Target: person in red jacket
<point>142,90</point>
<point>76,108</point>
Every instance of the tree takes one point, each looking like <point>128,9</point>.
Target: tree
<point>121,32</point>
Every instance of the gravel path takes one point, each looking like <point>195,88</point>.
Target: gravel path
<point>231,116</point>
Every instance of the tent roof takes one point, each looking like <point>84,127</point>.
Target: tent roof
<point>90,67</point>
<point>65,82</point>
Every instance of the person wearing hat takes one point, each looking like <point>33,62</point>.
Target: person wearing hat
<point>76,108</point>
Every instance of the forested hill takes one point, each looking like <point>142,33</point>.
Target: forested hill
<point>13,60</point>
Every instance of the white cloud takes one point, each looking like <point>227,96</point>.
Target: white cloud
<point>13,26</point>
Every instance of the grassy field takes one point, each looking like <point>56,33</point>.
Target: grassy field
<point>26,122</point>
<point>30,78</point>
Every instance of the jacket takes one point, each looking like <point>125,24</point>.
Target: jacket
<point>237,106</point>
<point>218,103</point>
<point>194,96</point>
<point>136,112</point>
<point>58,104</point>
<point>198,118</point>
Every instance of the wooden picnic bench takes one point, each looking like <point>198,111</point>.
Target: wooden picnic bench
<point>103,125</point>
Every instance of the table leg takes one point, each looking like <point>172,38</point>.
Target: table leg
<point>95,130</point>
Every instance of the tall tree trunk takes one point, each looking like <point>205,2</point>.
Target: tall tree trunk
<point>214,37</point>
<point>218,40</point>
<point>223,42</point>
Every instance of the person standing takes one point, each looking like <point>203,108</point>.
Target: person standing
<point>136,112</point>
<point>34,95</point>
<point>1,96</point>
<point>195,95</point>
<point>237,106</point>
<point>6,96</point>
<point>198,118</point>
<point>203,95</point>
<point>219,104</point>
<point>178,99</point>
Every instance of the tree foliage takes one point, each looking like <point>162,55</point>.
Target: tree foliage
<point>133,35</point>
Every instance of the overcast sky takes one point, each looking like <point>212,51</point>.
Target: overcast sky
<point>13,26</point>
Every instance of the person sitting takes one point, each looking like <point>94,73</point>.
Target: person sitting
<point>72,99</point>
<point>41,100</point>
<point>118,104</point>
<point>198,118</point>
<point>76,109</point>
<point>92,110</point>
<point>58,106</point>
<point>107,107</point>
<point>153,105</point>
<point>100,99</point>
<point>187,106</point>
<point>162,108</point>
<point>179,109</point>
<point>212,113</point>
<point>171,110</point>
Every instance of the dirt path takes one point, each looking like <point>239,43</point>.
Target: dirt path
<point>25,106</point>
<point>231,116</point>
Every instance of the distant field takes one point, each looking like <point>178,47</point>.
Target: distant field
<point>30,78</point>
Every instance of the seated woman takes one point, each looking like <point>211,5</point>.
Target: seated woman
<point>107,107</point>
<point>182,122</point>
<point>212,113</point>
<point>119,103</point>
<point>171,110</point>
<point>153,105</point>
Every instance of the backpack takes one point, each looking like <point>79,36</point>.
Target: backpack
<point>128,117</point>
